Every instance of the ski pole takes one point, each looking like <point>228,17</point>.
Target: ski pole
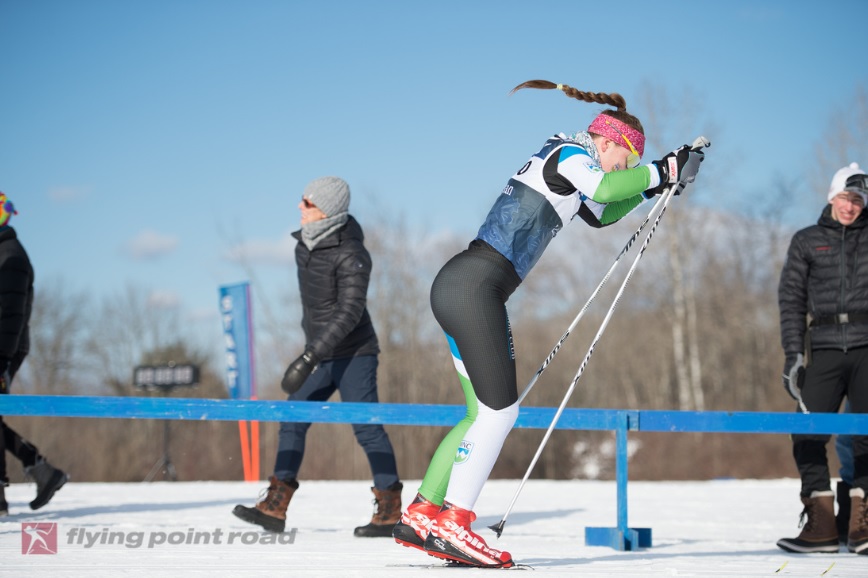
<point>581,314</point>
<point>802,405</point>
<point>667,195</point>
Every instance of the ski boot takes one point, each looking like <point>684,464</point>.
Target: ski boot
<point>413,527</point>
<point>451,539</point>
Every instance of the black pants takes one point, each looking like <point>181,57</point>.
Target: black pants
<point>356,380</point>
<point>832,376</point>
<point>10,440</point>
<point>468,299</point>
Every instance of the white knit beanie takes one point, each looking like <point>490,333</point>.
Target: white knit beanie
<point>839,183</point>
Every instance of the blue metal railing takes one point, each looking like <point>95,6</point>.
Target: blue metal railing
<point>620,421</point>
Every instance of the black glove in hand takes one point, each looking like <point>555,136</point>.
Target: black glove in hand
<point>794,374</point>
<point>659,189</point>
<point>298,371</point>
<point>679,165</point>
<point>664,180</point>
<point>683,164</point>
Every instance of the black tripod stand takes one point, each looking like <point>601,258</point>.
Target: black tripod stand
<point>164,378</point>
<point>164,463</point>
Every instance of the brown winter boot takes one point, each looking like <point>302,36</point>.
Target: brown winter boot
<point>387,512</point>
<point>819,533</point>
<point>270,512</point>
<point>857,538</point>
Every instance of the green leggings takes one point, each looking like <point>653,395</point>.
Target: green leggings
<point>436,479</point>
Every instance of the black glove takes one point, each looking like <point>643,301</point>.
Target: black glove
<point>5,378</point>
<point>681,165</point>
<point>661,188</point>
<point>794,374</point>
<point>298,371</point>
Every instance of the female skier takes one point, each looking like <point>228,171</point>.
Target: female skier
<point>594,174</point>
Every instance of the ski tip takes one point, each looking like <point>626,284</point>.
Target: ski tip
<point>498,528</point>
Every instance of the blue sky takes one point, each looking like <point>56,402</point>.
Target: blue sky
<point>145,141</point>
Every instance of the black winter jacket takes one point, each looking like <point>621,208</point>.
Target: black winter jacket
<point>333,280</point>
<point>826,273</point>
<point>16,295</point>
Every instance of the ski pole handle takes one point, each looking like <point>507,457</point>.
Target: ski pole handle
<point>700,142</point>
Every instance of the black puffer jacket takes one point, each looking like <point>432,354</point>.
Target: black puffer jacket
<point>333,279</point>
<point>826,273</point>
<point>16,295</point>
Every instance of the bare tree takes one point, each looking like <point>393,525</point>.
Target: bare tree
<point>843,140</point>
<point>58,328</point>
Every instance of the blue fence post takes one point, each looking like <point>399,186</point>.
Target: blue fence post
<point>621,476</point>
<point>622,537</point>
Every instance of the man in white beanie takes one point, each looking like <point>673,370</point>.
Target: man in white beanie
<point>340,354</point>
<point>850,179</point>
<point>825,279</point>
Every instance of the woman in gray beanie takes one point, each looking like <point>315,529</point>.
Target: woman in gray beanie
<point>340,353</point>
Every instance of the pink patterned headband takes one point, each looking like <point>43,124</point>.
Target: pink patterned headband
<point>614,129</point>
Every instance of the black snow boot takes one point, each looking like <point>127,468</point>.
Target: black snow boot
<point>48,480</point>
<point>842,518</point>
<point>4,505</point>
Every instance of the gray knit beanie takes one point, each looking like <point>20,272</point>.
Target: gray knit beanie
<point>330,194</point>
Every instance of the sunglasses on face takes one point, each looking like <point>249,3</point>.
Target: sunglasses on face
<point>307,204</point>
<point>858,181</point>
<point>633,158</point>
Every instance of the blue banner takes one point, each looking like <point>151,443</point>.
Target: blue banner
<point>236,318</point>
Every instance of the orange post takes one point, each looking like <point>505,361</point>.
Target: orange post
<point>245,450</point>
<point>254,449</point>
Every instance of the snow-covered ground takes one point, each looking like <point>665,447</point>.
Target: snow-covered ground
<point>714,528</point>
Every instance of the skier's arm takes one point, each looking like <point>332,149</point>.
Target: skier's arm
<point>625,185</point>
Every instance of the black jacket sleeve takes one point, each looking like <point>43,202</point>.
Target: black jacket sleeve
<point>352,275</point>
<point>15,280</point>
<point>793,298</point>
